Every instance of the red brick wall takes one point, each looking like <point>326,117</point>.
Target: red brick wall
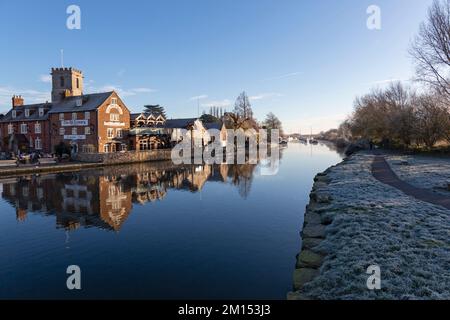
<point>44,135</point>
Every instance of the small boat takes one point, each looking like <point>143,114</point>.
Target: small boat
<point>283,142</point>
<point>313,141</point>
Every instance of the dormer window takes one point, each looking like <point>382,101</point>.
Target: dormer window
<point>14,114</point>
<point>27,113</point>
<point>41,112</point>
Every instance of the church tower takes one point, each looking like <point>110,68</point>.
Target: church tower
<point>66,82</point>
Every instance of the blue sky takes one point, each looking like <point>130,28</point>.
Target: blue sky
<point>304,60</point>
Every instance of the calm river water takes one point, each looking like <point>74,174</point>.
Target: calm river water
<point>158,231</point>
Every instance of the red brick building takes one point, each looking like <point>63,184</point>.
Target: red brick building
<point>96,122</point>
<point>25,127</point>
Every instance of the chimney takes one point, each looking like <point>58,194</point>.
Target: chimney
<point>17,101</point>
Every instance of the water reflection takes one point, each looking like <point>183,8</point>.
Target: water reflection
<point>104,198</point>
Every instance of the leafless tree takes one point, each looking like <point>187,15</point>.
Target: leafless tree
<point>432,120</point>
<point>242,106</point>
<point>431,48</point>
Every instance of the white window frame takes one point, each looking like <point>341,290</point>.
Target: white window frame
<point>110,133</point>
<point>119,133</point>
<point>62,131</point>
<point>87,115</point>
<point>23,128</point>
<point>74,116</point>
<point>87,130</point>
<point>37,128</point>
<point>114,117</point>
<point>10,128</point>
<point>74,131</point>
<point>41,112</point>
<point>61,117</point>
<point>14,114</point>
<point>114,101</point>
<point>38,144</point>
<point>106,148</point>
<point>27,113</point>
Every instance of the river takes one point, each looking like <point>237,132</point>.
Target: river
<point>158,231</point>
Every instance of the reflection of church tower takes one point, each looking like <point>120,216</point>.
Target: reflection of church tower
<point>66,82</point>
<point>21,214</point>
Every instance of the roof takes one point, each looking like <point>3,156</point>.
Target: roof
<point>69,104</point>
<point>134,116</point>
<point>213,125</point>
<point>179,123</point>
<point>90,102</point>
<point>20,111</point>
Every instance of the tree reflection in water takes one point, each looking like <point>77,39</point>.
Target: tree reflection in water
<point>104,198</point>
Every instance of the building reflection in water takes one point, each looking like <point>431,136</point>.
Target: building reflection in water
<point>104,198</point>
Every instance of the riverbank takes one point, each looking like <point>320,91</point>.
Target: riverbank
<point>354,221</point>
<point>88,161</point>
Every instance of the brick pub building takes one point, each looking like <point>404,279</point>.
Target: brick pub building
<point>88,123</point>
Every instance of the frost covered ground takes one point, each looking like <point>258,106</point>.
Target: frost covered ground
<point>423,172</point>
<point>375,224</point>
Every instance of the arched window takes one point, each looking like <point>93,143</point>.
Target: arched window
<point>61,81</point>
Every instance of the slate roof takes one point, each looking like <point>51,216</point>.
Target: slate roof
<point>178,123</point>
<point>34,113</point>
<point>90,102</point>
<point>213,125</point>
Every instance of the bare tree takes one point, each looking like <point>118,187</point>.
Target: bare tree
<point>432,120</point>
<point>242,106</point>
<point>431,48</point>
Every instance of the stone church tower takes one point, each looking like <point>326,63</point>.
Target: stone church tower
<point>66,82</point>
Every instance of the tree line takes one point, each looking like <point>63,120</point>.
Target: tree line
<point>401,115</point>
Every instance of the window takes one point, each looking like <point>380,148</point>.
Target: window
<point>114,101</point>
<point>74,116</point>
<point>38,144</point>
<point>87,115</point>
<point>37,128</point>
<point>31,142</point>
<point>106,148</point>
<point>61,82</point>
<point>14,114</point>
<point>74,131</point>
<point>23,128</point>
<point>78,83</point>
<point>143,145</point>
<point>27,113</point>
<point>10,129</point>
<point>114,117</point>
<point>62,131</point>
<point>119,133</point>
<point>41,112</point>
<point>87,130</point>
<point>61,116</point>
<point>110,133</point>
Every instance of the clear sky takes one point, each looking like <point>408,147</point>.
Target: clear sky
<point>304,60</point>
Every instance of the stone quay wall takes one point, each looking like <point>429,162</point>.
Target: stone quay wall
<point>124,157</point>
